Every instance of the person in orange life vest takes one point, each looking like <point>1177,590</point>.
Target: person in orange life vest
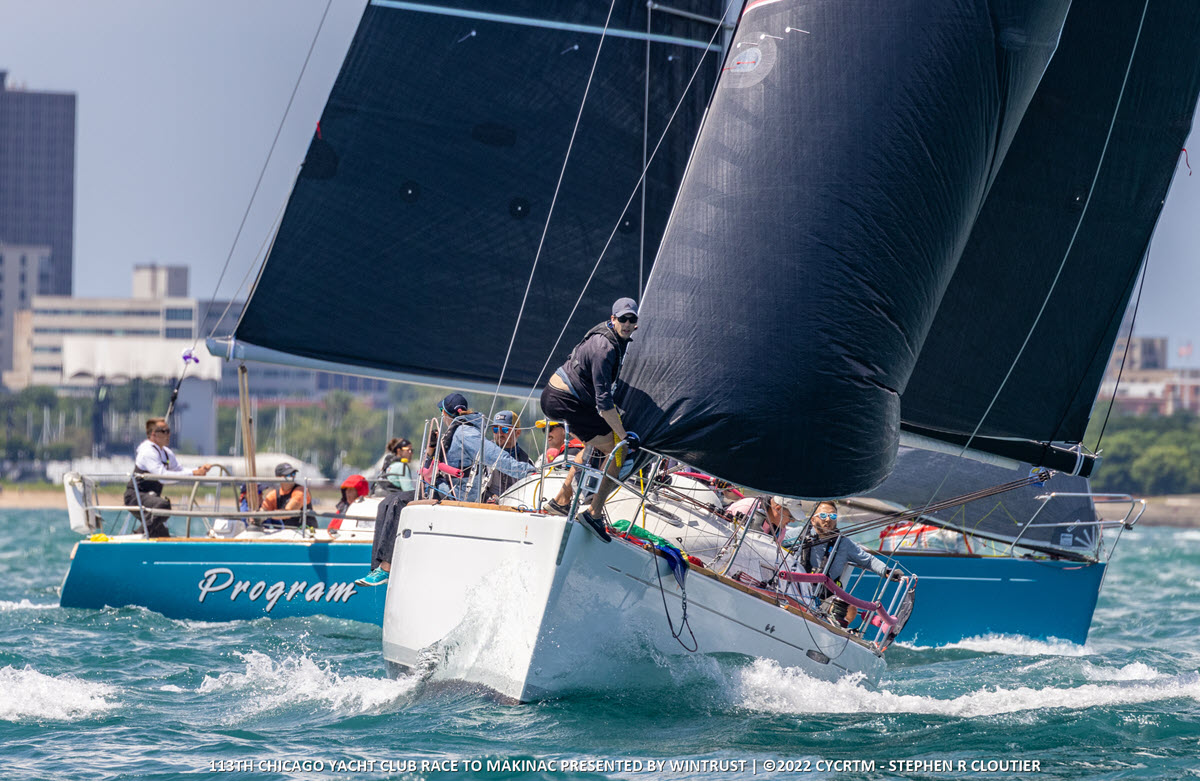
<point>287,496</point>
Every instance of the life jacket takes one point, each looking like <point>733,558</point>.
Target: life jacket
<point>823,551</point>
<point>468,470</point>
<point>150,485</point>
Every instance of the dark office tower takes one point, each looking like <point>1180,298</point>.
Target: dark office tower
<point>37,178</point>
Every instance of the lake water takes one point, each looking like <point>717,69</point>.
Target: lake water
<point>126,693</point>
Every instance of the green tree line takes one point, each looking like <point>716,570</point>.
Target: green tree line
<point>340,430</point>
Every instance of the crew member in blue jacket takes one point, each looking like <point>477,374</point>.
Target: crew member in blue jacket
<point>460,441</point>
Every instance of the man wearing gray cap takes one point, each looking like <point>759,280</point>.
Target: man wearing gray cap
<point>580,393</point>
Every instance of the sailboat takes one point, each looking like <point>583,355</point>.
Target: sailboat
<point>849,215</point>
<point>851,191</point>
<point>969,317</point>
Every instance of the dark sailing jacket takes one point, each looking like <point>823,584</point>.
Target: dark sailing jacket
<point>594,364</point>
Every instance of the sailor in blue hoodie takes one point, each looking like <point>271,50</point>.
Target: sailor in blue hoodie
<point>458,448</point>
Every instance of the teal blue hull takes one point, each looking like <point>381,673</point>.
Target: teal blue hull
<point>957,596</point>
<point>964,596</point>
<point>223,580</point>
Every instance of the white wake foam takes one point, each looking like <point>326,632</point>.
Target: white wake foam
<point>1134,672</point>
<point>25,605</point>
<point>1190,535</point>
<point>766,686</point>
<point>293,680</point>
<point>26,695</point>
<point>1015,644</point>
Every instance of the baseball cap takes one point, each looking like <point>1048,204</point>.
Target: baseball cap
<point>455,404</point>
<point>284,469</point>
<point>506,418</point>
<point>625,306</point>
<point>792,506</point>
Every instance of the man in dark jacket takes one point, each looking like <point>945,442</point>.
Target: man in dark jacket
<point>580,393</point>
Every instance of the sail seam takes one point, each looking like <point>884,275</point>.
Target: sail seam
<point>549,24</point>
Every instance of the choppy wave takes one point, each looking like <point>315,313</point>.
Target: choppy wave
<point>1190,535</point>
<point>285,683</point>
<point>1128,673</point>
<point>1015,644</point>
<point>766,686</point>
<point>27,695</point>
<point>25,605</point>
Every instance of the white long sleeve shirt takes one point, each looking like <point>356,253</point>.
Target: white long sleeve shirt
<point>158,460</point>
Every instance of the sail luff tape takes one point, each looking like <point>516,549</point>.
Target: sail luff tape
<point>545,23</point>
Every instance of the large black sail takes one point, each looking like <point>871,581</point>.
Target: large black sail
<point>1011,266</point>
<point>412,229</point>
<point>848,150</point>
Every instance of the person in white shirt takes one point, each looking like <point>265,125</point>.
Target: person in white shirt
<point>154,462</point>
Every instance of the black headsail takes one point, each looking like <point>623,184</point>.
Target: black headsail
<point>847,153</point>
<point>1023,237</point>
<point>412,229</point>
<point>792,366</point>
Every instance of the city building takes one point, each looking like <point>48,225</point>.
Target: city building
<point>40,331</point>
<point>160,282</point>
<point>37,178</point>
<point>22,267</point>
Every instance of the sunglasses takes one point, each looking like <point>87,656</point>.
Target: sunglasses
<point>161,430</point>
<point>290,477</point>
<point>627,319</point>
<point>504,429</point>
<point>827,516</point>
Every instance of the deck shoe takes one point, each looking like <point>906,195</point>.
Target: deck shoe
<point>555,509</point>
<point>596,525</point>
<point>377,577</point>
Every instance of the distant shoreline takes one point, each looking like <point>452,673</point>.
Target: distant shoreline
<point>1171,511</point>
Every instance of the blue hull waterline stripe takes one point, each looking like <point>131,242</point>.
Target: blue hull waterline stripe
<point>546,23</point>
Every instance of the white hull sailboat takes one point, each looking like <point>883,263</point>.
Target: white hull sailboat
<point>538,603</point>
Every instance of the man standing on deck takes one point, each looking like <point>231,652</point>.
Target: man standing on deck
<point>580,392</point>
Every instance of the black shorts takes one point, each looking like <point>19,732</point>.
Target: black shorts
<point>582,418</point>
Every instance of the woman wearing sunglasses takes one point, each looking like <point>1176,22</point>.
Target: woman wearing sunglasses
<point>580,393</point>
<point>826,550</point>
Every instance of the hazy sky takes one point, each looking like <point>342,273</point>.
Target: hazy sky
<point>178,103</point>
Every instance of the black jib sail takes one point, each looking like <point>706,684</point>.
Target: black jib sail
<point>412,230</point>
<point>852,156</point>
<point>1024,253</point>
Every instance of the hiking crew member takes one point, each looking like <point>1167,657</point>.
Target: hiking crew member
<point>154,458</point>
<point>826,550</point>
<point>580,392</point>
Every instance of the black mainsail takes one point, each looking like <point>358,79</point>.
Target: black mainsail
<point>413,226</point>
<point>880,201</point>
